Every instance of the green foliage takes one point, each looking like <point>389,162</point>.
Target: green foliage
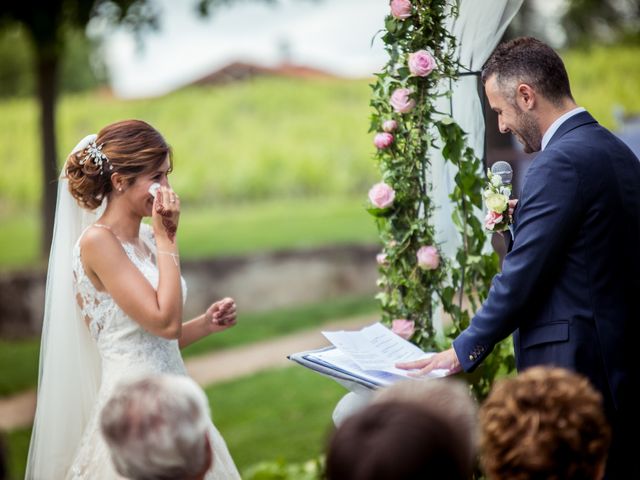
<point>604,77</point>
<point>409,291</point>
<point>80,68</point>
<point>16,69</point>
<point>269,138</point>
<point>601,20</point>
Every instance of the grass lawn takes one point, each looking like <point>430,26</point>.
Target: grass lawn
<point>279,414</point>
<point>19,359</point>
<point>17,445</point>
<point>18,365</point>
<point>253,327</point>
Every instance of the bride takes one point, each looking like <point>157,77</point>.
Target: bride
<point>114,299</point>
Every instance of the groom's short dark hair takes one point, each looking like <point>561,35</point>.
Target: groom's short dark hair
<point>528,60</point>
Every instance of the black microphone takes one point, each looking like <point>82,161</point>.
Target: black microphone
<point>504,171</point>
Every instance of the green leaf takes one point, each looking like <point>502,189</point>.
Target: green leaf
<point>380,212</point>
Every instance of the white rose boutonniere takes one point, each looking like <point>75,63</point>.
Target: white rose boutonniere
<point>496,198</point>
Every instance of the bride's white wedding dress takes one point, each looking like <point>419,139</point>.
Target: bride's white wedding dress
<point>127,349</point>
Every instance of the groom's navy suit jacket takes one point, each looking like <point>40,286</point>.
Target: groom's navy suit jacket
<point>570,286</point>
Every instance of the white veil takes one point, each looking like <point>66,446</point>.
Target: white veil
<point>69,374</point>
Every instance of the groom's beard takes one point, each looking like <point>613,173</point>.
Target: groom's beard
<point>528,133</point>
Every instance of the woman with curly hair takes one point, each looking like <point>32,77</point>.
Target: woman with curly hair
<point>546,423</point>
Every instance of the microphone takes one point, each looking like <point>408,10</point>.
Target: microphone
<point>504,171</point>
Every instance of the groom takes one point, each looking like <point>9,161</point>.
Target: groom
<point>569,290</point>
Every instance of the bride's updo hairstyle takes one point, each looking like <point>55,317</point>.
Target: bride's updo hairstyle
<point>129,147</point>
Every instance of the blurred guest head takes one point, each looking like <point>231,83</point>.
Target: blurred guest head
<point>447,398</point>
<point>414,429</point>
<point>546,423</point>
<point>157,428</point>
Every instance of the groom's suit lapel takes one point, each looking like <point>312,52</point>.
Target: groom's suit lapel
<point>578,120</point>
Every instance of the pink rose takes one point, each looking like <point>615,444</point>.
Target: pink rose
<point>381,259</point>
<point>492,219</point>
<point>389,126</point>
<point>401,9</point>
<point>400,100</point>
<point>403,328</point>
<point>383,140</point>
<point>428,257</point>
<point>421,63</point>
<point>382,195</point>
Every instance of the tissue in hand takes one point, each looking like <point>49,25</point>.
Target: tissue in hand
<point>153,189</point>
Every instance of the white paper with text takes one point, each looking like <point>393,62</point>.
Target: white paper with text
<point>375,348</point>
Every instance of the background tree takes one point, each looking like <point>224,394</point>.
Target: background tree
<point>49,26</point>
<point>606,21</point>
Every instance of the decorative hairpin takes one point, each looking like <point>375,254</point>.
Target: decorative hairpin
<point>95,154</point>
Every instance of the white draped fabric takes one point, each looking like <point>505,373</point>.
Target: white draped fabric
<point>478,29</point>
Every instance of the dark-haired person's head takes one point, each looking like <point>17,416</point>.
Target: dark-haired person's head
<point>528,87</point>
<point>528,60</point>
<point>395,441</point>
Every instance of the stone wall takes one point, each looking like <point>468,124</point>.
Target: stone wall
<point>257,282</point>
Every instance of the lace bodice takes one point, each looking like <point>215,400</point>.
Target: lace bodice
<point>120,339</point>
<point>127,349</point>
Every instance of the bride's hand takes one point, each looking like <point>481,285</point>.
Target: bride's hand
<point>166,213</point>
<point>221,314</point>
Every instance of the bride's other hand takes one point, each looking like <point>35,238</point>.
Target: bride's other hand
<point>221,314</point>
<point>166,213</point>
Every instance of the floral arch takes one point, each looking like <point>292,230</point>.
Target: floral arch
<point>428,128</point>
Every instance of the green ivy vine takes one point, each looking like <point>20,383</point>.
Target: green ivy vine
<point>414,278</point>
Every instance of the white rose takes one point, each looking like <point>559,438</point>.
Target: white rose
<point>497,202</point>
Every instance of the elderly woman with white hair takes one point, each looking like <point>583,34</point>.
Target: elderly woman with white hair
<point>157,428</point>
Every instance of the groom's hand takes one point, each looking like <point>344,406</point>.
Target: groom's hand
<point>445,360</point>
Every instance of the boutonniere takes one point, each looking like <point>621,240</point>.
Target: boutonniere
<point>496,198</point>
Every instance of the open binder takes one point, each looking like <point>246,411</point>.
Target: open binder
<point>363,359</point>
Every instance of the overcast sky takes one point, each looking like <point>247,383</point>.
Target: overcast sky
<point>334,35</point>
